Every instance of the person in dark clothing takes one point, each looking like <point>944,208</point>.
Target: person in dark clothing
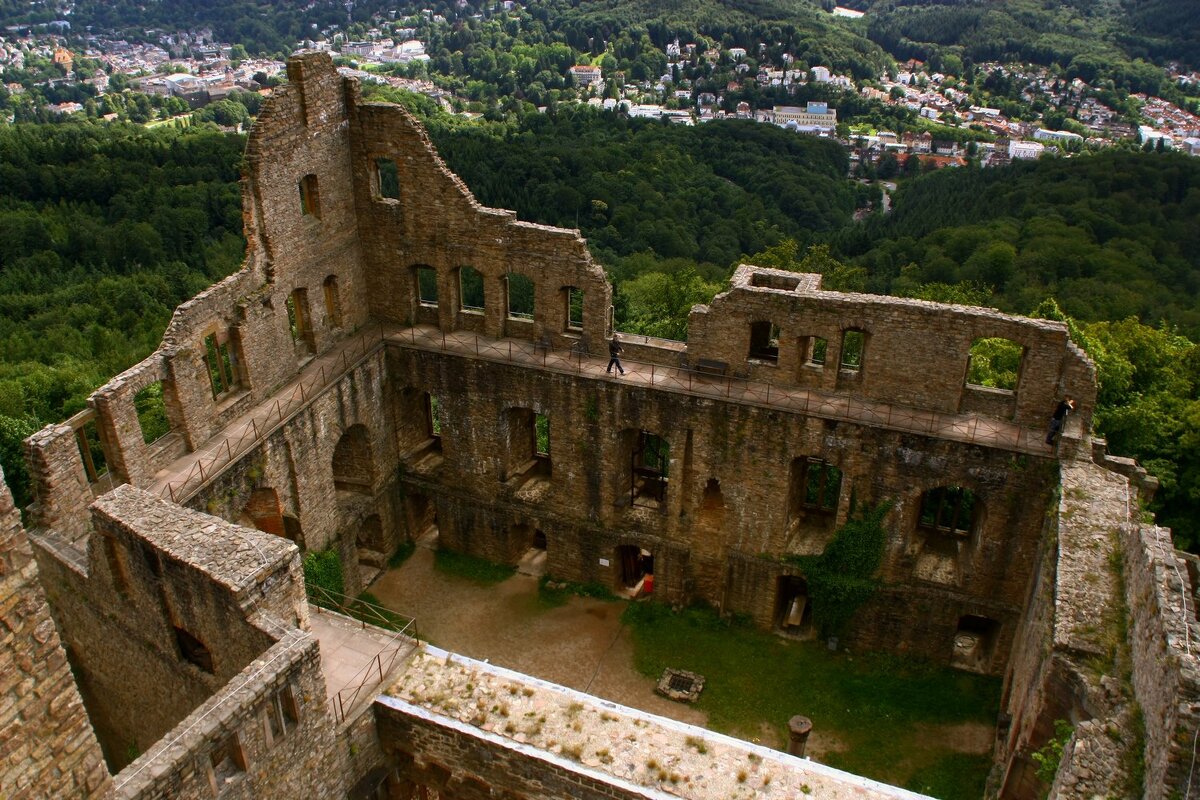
<point>1058,419</point>
<point>614,350</point>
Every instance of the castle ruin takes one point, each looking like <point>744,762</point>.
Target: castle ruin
<point>394,358</point>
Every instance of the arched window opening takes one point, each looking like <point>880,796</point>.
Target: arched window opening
<point>263,511</point>
<point>353,470</point>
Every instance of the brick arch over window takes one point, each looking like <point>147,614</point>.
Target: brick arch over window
<point>353,467</point>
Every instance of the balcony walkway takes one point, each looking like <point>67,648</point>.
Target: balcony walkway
<point>184,477</point>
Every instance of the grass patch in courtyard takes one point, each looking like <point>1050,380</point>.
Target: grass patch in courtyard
<point>403,551</point>
<point>471,568</point>
<point>872,705</point>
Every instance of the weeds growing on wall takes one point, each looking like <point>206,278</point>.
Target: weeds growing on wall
<point>842,578</point>
<point>323,568</point>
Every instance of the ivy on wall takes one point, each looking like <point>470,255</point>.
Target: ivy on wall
<point>323,568</point>
<point>842,578</point>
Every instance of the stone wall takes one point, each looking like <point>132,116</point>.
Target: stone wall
<point>47,748</point>
<point>267,733</point>
<point>158,580</point>
<point>732,474</point>
<point>900,336</point>
<point>1166,659</point>
<point>461,728</point>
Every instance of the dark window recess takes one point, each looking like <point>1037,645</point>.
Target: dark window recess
<point>648,469</point>
<point>389,178</point>
<point>194,650</point>
<point>949,509</point>
<point>822,485</point>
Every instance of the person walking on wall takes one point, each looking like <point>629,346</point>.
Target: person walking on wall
<point>614,350</point>
<point>1058,419</point>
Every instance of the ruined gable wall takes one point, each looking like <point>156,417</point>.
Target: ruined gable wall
<point>47,748</point>
<point>437,223</point>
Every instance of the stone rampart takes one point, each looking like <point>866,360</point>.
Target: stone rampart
<point>459,727</point>
<point>1166,659</point>
<point>47,748</point>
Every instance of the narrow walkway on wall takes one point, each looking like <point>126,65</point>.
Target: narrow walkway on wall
<point>187,474</point>
<point>356,658</point>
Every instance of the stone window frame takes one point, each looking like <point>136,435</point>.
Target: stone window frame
<point>333,301</point>
<point>463,307</point>
<point>282,714</point>
<point>819,471</point>
<point>814,351</point>
<point>571,324</point>
<point>851,360</point>
<point>649,477</point>
<point>764,349</point>
<point>226,762</point>
<point>1020,365</point>
<point>380,180</point>
<point>509,313</point>
<point>222,361</point>
<point>299,316</point>
<point>942,510</point>
<point>420,284</point>
<point>310,195</point>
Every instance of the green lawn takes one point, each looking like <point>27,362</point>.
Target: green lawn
<point>883,710</point>
<point>471,568</point>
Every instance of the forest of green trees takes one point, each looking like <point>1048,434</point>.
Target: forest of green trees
<point>108,227</point>
<point>105,230</point>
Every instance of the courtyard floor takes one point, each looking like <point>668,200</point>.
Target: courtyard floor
<point>583,644</point>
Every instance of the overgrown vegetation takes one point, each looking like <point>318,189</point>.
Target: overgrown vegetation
<point>403,551</point>
<point>323,570</point>
<point>471,568</point>
<point>842,578</point>
<point>552,593</point>
<point>879,712</point>
<point>1049,756</point>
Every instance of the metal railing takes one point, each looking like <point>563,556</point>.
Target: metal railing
<point>403,641</point>
<point>321,374</point>
<point>810,402</point>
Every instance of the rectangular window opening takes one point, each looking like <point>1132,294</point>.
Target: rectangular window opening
<point>388,177</point>
<point>427,286</point>
<point>310,197</point>
<point>152,413</point>
<point>541,427</point>
<point>815,351</point>
<point>228,760</point>
<point>649,470</point>
<point>520,296</point>
<point>222,364</point>
<point>91,451</point>
<point>574,309</point>
<point>470,287</point>
<point>852,350</point>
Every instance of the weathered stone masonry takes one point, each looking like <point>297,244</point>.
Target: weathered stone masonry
<point>710,463</point>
